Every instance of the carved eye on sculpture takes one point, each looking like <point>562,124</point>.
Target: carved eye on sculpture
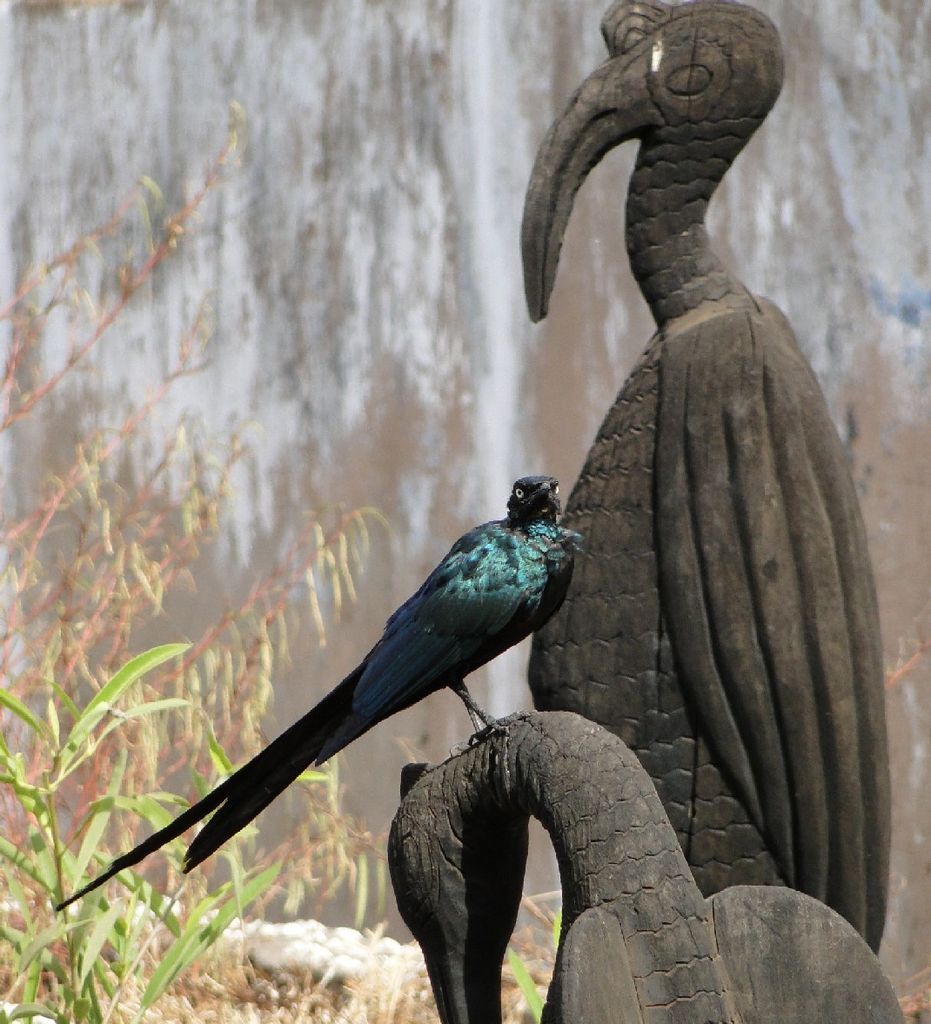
<point>629,22</point>
<point>689,80</point>
<point>693,74</point>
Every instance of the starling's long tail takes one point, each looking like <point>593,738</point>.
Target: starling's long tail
<point>247,791</point>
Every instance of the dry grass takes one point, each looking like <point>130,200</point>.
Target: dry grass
<point>226,992</point>
<point>917,1003</point>
<point>103,556</point>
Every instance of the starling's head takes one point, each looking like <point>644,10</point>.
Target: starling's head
<point>533,497</point>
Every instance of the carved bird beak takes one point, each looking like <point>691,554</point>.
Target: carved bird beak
<point>612,105</point>
<point>669,66</point>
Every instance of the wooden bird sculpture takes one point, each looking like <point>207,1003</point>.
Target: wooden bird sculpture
<point>638,943</point>
<point>722,618</point>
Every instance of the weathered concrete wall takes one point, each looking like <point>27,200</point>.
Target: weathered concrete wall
<point>363,266</point>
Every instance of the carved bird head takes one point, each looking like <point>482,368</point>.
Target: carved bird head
<point>712,66</point>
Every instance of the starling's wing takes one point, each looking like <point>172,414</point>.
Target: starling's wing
<point>769,601</point>
<point>475,600</point>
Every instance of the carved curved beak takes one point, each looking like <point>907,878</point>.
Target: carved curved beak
<point>611,106</point>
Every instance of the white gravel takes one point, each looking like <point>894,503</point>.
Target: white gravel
<point>332,955</point>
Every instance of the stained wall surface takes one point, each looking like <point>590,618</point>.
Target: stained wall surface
<point>363,267</point>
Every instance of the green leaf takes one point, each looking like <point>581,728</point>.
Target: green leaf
<point>38,948</point>
<point>33,979</point>
<point>152,707</point>
<point>52,716</point>
<point>157,904</point>
<point>31,797</point>
<point>92,947</point>
<point>557,928</point>
<point>217,754</point>
<point>526,984</point>
<point>23,713</point>
<point>111,691</point>
<point>13,936</point>
<point>44,860</point>
<point>27,1011</point>
<point>98,820</point>
<point>199,934</point>
<point>182,952</point>
<point>147,806</point>
<point>20,860</point>
<point>105,977</point>
<point>19,895</point>
<point>140,711</point>
<point>64,698</point>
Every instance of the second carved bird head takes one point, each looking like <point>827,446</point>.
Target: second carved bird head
<point>706,66</point>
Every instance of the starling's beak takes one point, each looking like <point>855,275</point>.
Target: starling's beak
<point>553,502</point>
<point>612,105</point>
<point>547,498</point>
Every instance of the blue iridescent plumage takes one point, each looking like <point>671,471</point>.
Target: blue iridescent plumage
<point>493,580</point>
<point>497,584</point>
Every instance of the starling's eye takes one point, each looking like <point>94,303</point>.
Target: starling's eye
<point>518,493</point>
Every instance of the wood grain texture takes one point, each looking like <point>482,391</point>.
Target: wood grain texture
<point>639,943</point>
<point>723,618</point>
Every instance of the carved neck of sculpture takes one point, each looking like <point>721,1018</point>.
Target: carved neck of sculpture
<point>677,170</point>
<point>632,918</point>
<point>692,83</point>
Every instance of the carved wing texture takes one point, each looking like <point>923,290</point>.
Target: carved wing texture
<point>598,656</point>
<point>607,655</point>
<point>722,619</point>
<point>768,596</point>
